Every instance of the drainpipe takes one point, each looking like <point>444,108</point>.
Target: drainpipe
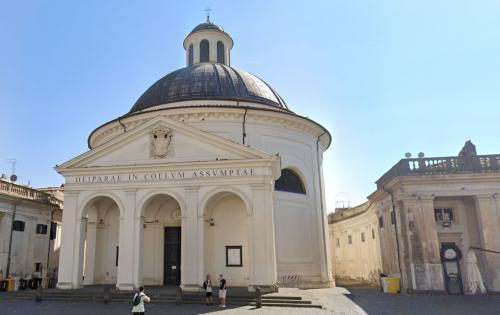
<point>395,229</point>
<point>244,125</point>
<point>48,252</point>
<point>321,205</point>
<point>7,271</point>
<point>120,122</point>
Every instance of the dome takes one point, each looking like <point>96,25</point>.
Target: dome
<point>207,26</point>
<point>209,81</point>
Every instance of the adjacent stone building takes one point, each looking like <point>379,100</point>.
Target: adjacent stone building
<point>30,230</point>
<point>421,207</point>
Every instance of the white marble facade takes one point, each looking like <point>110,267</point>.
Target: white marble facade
<point>207,169</point>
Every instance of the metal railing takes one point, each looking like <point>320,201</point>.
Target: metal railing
<point>441,165</point>
<point>24,192</point>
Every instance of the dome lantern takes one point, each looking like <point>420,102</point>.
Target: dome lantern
<point>208,42</point>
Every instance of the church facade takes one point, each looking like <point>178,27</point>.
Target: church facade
<point>210,172</point>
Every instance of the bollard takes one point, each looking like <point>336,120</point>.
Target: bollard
<point>106,295</point>
<point>258,297</point>
<point>178,297</point>
<point>38,296</point>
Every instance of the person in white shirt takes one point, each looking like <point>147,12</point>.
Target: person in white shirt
<point>138,302</point>
<point>222,291</point>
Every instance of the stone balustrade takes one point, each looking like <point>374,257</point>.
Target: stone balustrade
<point>441,165</point>
<point>24,192</point>
<point>344,213</point>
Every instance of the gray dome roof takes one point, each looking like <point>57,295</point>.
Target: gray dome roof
<point>209,81</point>
<point>207,26</point>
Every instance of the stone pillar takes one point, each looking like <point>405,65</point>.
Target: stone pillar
<point>138,248</point>
<point>190,246</point>
<point>402,231</point>
<point>70,243</point>
<point>424,249</point>
<point>262,243</point>
<point>488,210</point>
<point>201,246</point>
<point>90,252</point>
<point>126,269</point>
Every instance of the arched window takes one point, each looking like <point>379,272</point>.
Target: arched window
<point>220,52</point>
<point>289,182</point>
<point>204,51</point>
<point>190,61</point>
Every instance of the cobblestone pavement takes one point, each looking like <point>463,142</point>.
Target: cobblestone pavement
<point>333,300</point>
<point>375,302</point>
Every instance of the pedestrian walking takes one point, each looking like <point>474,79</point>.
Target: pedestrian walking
<point>207,285</point>
<point>222,291</point>
<point>138,302</point>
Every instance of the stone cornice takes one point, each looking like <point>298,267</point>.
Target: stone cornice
<point>116,127</point>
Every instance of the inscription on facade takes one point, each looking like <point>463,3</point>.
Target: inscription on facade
<point>163,176</point>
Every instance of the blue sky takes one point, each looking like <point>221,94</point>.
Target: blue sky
<point>385,77</point>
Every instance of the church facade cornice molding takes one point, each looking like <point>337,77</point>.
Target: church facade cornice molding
<point>199,114</point>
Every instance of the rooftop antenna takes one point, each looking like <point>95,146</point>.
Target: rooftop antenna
<point>342,200</point>
<point>208,10</point>
<point>13,176</point>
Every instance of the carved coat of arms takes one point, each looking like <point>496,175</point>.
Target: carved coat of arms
<point>160,142</point>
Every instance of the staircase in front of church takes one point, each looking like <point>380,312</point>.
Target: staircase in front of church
<point>157,295</point>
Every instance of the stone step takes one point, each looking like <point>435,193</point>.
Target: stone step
<point>289,305</point>
<point>281,297</point>
<point>125,297</point>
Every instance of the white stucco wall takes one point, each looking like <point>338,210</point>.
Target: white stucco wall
<point>28,247</point>
<point>360,261</point>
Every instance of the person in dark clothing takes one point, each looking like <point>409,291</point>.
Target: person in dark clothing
<point>207,285</point>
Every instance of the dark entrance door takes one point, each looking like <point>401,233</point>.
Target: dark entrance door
<point>172,256</point>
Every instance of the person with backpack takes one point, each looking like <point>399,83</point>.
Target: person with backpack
<point>207,285</point>
<point>138,302</point>
<point>222,291</point>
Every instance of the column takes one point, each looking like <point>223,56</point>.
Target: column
<point>190,259</point>
<point>90,252</point>
<point>404,236</point>
<point>489,221</point>
<point>138,248</point>
<point>126,254</point>
<point>201,246</point>
<point>70,243</point>
<point>262,243</point>
<point>427,270</point>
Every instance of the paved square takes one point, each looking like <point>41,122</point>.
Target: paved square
<point>355,301</point>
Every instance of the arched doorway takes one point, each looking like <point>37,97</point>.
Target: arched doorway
<point>101,226</point>
<point>161,250</point>
<point>226,241</point>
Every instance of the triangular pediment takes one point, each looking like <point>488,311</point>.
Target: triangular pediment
<point>162,141</point>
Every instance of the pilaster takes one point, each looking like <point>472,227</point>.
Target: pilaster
<point>488,207</point>
<point>70,243</point>
<point>261,223</point>
<point>424,251</point>
<point>126,266</point>
<point>190,242</point>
